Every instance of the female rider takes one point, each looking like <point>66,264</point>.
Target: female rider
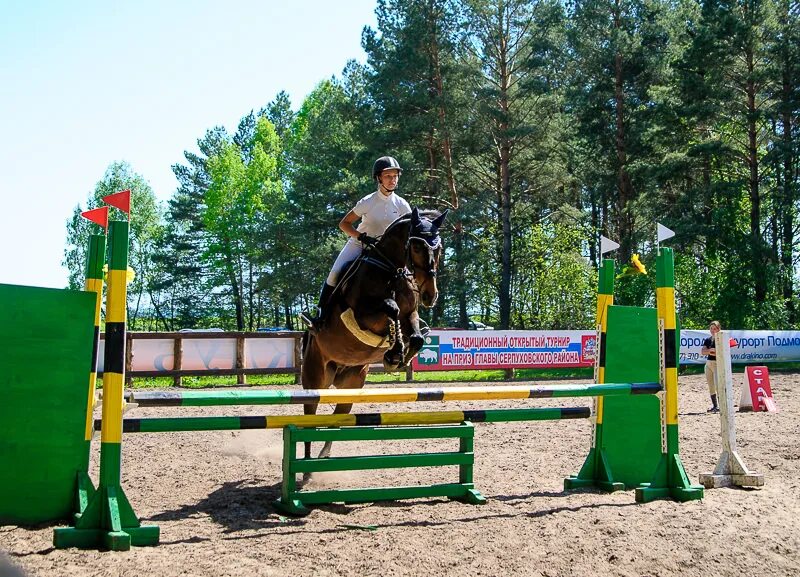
<point>376,212</point>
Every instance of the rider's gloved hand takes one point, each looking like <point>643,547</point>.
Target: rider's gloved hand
<point>367,240</point>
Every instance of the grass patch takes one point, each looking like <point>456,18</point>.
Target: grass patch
<point>379,377</point>
<point>422,377</point>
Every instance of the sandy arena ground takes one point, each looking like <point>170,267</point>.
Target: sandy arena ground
<point>211,494</point>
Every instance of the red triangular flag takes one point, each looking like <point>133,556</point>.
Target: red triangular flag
<point>97,216</point>
<point>120,200</point>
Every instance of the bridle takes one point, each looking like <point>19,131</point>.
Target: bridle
<point>429,239</point>
<point>432,243</point>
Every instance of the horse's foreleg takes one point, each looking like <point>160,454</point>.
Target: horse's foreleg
<point>415,340</point>
<point>394,356</point>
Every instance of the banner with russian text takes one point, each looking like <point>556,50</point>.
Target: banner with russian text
<point>754,347</point>
<point>447,350</point>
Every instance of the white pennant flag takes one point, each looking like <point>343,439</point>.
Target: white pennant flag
<point>663,232</point>
<point>607,245</point>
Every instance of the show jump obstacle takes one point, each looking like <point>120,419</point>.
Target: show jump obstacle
<point>635,442</point>
<point>51,337</point>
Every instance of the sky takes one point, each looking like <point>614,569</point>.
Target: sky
<point>90,82</point>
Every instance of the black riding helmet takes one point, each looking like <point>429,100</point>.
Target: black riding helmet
<point>385,163</point>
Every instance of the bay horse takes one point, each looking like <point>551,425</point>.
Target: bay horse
<point>373,311</point>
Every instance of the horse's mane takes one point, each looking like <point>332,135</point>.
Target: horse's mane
<point>429,214</point>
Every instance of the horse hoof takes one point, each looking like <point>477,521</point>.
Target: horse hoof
<point>391,366</point>
<point>416,342</point>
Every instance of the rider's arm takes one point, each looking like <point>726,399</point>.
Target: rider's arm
<point>347,224</point>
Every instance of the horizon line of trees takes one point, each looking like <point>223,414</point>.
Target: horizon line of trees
<point>541,124</point>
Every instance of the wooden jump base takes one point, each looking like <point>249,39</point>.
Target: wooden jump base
<point>400,395</point>
<point>176,424</point>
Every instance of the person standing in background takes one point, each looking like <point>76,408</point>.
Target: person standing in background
<point>710,351</point>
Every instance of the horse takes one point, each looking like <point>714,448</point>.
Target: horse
<point>373,312</point>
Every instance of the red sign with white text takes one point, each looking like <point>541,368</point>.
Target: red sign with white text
<point>760,392</point>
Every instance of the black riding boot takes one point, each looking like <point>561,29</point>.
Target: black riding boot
<point>318,321</point>
<point>714,407</point>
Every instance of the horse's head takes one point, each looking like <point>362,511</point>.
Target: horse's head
<point>424,251</point>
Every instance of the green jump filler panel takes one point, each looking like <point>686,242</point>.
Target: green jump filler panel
<point>631,439</point>
<point>46,337</point>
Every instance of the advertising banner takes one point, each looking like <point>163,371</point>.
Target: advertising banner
<point>209,354</point>
<point>752,347</point>
<point>460,350</point>
<point>446,350</point>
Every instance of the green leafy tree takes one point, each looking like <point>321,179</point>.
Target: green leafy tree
<point>145,230</point>
<point>236,202</point>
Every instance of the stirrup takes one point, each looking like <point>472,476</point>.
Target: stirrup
<point>424,329</point>
<point>305,316</point>
<point>316,323</point>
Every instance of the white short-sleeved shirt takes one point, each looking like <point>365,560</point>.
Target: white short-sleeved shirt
<point>378,211</point>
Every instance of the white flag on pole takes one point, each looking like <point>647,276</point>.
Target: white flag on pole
<point>607,245</point>
<point>663,232</point>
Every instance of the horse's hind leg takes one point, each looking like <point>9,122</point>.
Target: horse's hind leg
<point>309,410</point>
<point>348,378</point>
<point>341,409</point>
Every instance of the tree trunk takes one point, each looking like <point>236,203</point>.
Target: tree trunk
<point>504,158</point>
<point>625,220</point>
<point>758,264</point>
<point>787,216</point>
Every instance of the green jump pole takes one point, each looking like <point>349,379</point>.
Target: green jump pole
<point>109,521</point>
<point>176,424</point>
<point>399,395</point>
<point>670,479</point>
<point>95,257</point>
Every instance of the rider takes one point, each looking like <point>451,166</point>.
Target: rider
<point>376,212</point>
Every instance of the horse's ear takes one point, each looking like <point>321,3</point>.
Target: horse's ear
<point>415,220</point>
<point>439,221</point>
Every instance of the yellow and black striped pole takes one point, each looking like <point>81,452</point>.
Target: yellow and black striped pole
<point>605,298</point>
<point>109,521</point>
<point>94,283</point>
<point>595,470</point>
<point>670,479</point>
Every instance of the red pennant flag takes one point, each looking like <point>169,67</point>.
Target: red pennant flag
<point>120,200</point>
<point>97,216</point>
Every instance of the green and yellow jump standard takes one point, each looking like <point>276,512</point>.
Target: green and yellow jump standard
<point>669,480</point>
<point>108,520</point>
<point>95,258</point>
<point>596,470</point>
